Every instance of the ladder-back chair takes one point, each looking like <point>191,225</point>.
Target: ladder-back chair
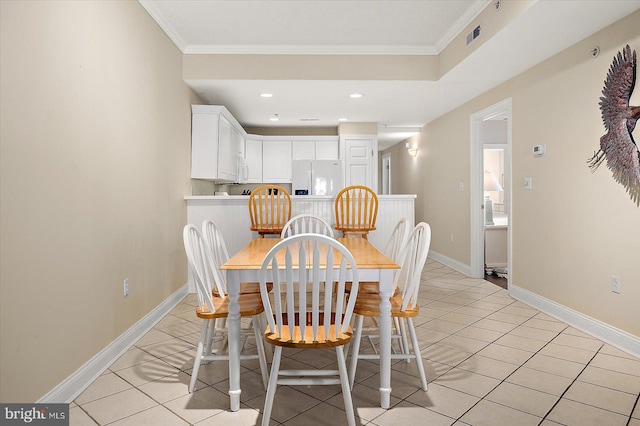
<point>308,310</point>
<point>356,210</point>
<point>269,209</point>
<point>404,305</point>
<point>304,224</point>
<point>215,241</point>
<point>211,308</point>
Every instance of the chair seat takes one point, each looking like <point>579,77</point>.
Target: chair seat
<point>248,288</point>
<point>367,287</point>
<point>250,305</point>
<point>307,342</point>
<point>368,304</point>
<point>355,229</point>
<point>268,230</point>
<point>363,232</point>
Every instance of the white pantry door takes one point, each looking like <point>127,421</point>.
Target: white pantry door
<point>360,162</point>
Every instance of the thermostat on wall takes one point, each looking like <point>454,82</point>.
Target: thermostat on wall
<point>539,150</point>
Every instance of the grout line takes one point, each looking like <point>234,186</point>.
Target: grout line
<point>456,284</point>
<point>571,384</point>
<point>633,409</point>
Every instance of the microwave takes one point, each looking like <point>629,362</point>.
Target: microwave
<point>243,170</point>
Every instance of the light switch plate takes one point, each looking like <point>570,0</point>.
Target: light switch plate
<point>528,183</point>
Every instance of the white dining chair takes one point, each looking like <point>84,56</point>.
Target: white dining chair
<point>404,305</point>
<point>308,310</point>
<point>392,250</point>
<point>397,239</point>
<point>215,241</point>
<point>211,308</point>
<point>306,223</point>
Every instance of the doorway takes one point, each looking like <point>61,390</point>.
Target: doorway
<point>484,230</point>
<point>386,174</point>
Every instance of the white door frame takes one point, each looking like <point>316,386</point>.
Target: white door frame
<point>477,192</point>
<point>386,173</point>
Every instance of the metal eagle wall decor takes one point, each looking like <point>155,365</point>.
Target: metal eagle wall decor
<point>619,118</point>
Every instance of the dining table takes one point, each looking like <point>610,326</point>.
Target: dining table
<point>373,266</point>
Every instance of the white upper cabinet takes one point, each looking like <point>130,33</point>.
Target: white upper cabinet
<point>253,159</point>
<point>327,149</point>
<point>304,150</point>
<point>276,161</point>
<point>218,147</point>
<point>228,151</point>
<point>315,147</point>
<point>215,144</point>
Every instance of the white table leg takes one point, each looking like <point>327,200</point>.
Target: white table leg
<point>386,291</point>
<point>233,324</point>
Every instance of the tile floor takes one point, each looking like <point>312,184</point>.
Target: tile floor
<point>490,360</point>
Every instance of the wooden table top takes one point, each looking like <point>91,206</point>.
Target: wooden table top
<point>366,255</point>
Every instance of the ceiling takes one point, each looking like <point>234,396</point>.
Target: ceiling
<point>369,27</point>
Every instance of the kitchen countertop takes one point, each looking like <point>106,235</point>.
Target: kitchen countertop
<point>293,197</point>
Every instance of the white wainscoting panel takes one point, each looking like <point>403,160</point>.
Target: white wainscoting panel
<point>231,215</point>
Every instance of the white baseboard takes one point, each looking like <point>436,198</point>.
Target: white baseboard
<point>605,332</point>
<point>73,385</point>
<point>451,263</point>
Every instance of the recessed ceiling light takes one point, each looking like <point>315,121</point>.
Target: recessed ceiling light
<point>274,118</point>
<point>266,95</point>
<point>343,119</point>
<point>355,95</point>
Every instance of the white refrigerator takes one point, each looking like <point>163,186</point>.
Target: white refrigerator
<point>316,177</point>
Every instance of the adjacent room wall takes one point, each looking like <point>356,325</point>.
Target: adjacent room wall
<point>574,229</point>
<point>95,125</point>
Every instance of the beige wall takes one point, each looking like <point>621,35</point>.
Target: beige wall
<point>575,229</point>
<point>310,67</point>
<point>95,125</point>
<point>491,22</point>
<point>358,128</point>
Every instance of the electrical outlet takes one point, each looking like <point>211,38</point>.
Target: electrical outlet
<point>126,286</point>
<point>615,284</point>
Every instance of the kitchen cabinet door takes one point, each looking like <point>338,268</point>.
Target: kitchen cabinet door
<point>276,161</point>
<point>228,152</point>
<point>304,150</point>
<point>253,158</point>
<point>204,146</point>
<point>214,144</point>
<point>327,150</point>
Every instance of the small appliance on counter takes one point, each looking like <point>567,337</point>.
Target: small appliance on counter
<point>224,193</point>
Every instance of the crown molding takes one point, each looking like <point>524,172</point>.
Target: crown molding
<point>462,22</point>
<point>212,49</point>
<point>308,50</point>
<point>173,34</point>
